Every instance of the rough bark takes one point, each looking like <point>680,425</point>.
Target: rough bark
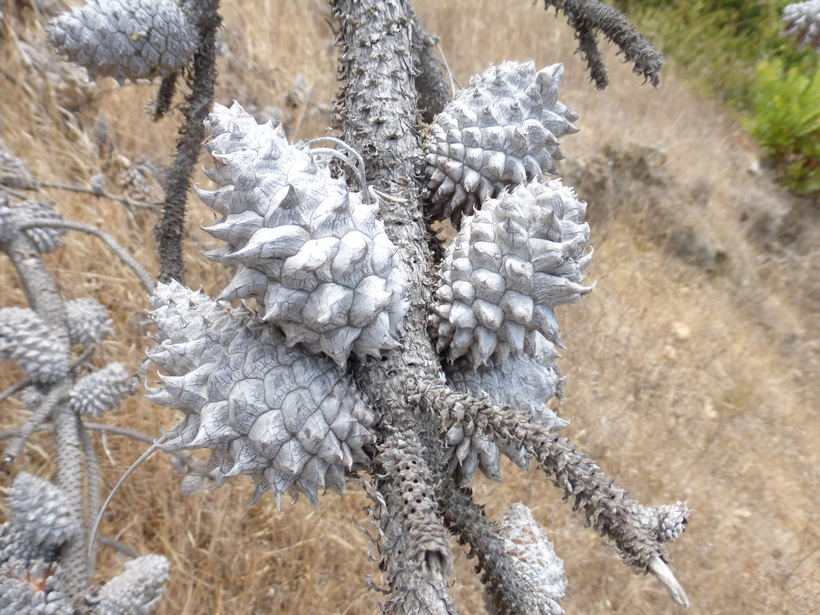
<point>377,112</point>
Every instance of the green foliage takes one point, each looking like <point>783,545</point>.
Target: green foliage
<point>736,49</point>
<point>786,121</point>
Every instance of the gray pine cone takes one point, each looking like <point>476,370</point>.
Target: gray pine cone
<point>802,21</point>
<point>40,522</point>
<point>291,420</point>
<point>501,130</point>
<point>44,239</point>
<point>310,251</point>
<point>14,173</point>
<point>137,590</point>
<point>507,269</point>
<point>125,39</point>
<point>534,559</point>
<point>525,383</point>
<point>29,340</point>
<point>33,589</point>
<point>88,321</point>
<point>102,390</point>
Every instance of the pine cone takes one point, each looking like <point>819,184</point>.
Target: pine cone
<point>101,391</point>
<point>137,590</point>
<point>27,339</point>
<point>125,39</point>
<point>526,383</point>
<point>311,252</point>
<point>33,589</point>
<point>44,239</point>
<point>88,321</point>
<point>14,173</point>
<point>501,130</point>
<point>507,269</point>
<point>40,522</point>
<point>802,21</point>
<point>292,421</point>
<point>534,559</point>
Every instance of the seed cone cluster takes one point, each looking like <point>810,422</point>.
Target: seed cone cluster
<point>533,557</point>
<point>291,420</point>
<point>802,21</point>
<point>507,269</point>
<point>501,130</point>
<point>137,590</point>
<point>29,340</point>
<point>40,523</point>
<point>125,39</point>
<point>310,251</point>
<point>101,391</point>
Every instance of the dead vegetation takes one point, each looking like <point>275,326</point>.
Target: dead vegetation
<point>692,367</point>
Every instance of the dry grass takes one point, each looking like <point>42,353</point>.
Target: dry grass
<point>685,382</point>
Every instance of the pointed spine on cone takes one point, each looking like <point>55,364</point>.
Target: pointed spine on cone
<point>125,39</point>
<point>534,561</point>
<point>311,252</point>
<point>291,420</point>
<point>507,269</point>
<point>501,130</point>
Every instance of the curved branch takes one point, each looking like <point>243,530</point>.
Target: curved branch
<point>585,16</point>
<point>638,533</point>
<point>142,273</point>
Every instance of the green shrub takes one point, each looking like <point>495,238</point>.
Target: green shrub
<point>786,121</point>
<point>736,49</point>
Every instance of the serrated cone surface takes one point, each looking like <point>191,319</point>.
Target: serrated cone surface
<point>29,340</point>
<point>307,249</point>
<point>291,420</point>
<point>525,383</point>
<point>125,39</point>
<point>40,521</point>
<point>501,130</point>
<point>137,590</point>
<point>534,559</point>
<point>802,22</point>
<point>44,239</point>
<point>88,321</point>
<point>507,269</point>
<point>33,589</point>
<point>101,391</point>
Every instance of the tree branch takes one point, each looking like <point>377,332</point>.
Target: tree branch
<point>586,16</point>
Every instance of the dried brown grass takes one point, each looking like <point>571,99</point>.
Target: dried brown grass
<point>684,383</point>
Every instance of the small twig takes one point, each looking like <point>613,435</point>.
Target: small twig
<point>453,81</point>
<point>196,465</point>
<point>14,388</point>
<point>142,273</point>
<point>57,394</point>
<point>154,205</point>
<point>118,546</point>
<point>95,528</point>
